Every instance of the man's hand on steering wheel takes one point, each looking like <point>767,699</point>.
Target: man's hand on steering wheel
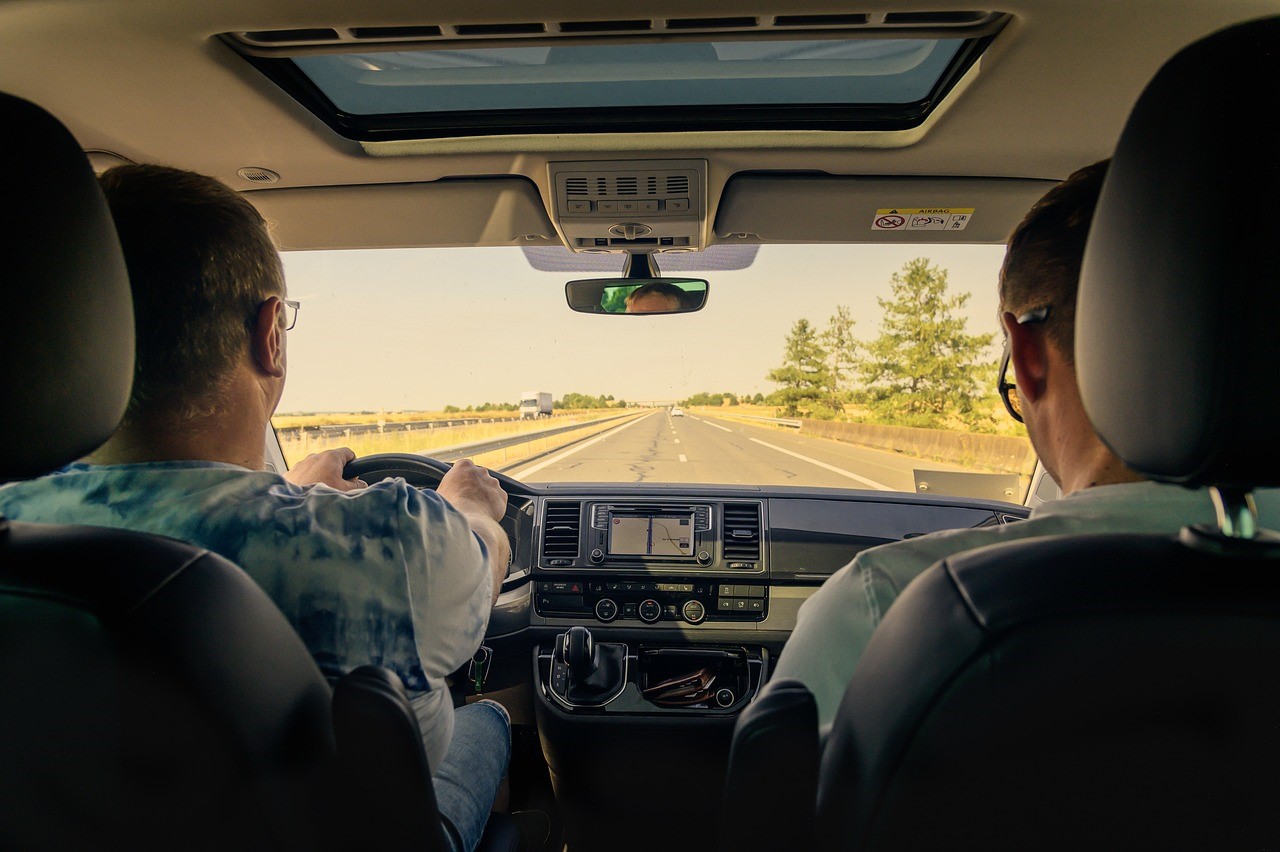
<point>472,489</point>
<point>325,468</point>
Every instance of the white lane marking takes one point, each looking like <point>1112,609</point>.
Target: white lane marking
<point>540,465</point>
<point>871,482</point>
<point>715,425</point>
<point>683,457</point>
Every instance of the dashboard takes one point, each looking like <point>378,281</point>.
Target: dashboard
<point>721,561</point>
<point>700,563</point>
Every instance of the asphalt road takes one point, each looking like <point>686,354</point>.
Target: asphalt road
<point>696,449</point>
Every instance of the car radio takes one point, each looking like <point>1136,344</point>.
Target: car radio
<point>690,600</point>
<point>629,534</point>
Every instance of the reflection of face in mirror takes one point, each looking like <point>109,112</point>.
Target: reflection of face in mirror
<point>657,298</point>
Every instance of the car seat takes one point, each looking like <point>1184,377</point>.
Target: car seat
<point>151,695</point>
<point>1113,691</point>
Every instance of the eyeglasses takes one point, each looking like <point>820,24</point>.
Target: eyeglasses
<point>1009,390</point>
<point>290,313</point>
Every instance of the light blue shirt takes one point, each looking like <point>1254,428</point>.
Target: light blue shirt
<point>387,575</point>
<point>835,625</point>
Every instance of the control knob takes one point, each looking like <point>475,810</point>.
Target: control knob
<point>597,555</point>
<point>606,609</point>
<point>693,611</point>
<point>704,556</point>
<point>649,611</point>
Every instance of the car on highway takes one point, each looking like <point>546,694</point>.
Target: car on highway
<point>443,177</point>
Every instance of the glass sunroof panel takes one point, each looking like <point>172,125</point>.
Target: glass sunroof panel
<point>680,74</point>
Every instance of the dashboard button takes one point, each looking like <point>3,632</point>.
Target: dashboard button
<point>754,591</point>
<point>755,605</point>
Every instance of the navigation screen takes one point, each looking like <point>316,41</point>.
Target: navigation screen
<point>652,535</point>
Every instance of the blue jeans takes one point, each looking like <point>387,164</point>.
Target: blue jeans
<point>466,783</point>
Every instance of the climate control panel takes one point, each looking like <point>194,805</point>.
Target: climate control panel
<point>679,600</point>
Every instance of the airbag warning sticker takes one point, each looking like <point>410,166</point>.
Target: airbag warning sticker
<point>922,219</point>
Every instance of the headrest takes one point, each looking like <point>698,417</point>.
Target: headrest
<point>66,313</point>
<point>1180,291</point>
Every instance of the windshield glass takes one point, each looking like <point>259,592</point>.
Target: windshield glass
<point>822,365</point>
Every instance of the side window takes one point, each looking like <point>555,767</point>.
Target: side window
<point>1043,488</point>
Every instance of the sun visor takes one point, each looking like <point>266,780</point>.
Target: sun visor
<point>831,209</point>
<point>471,212</point>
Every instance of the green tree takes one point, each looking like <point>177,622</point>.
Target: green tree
<point>842,351</point>
<point>805,379</point>
<point>923,369</point>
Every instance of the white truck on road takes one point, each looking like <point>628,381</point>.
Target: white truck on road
<point>534,404</point>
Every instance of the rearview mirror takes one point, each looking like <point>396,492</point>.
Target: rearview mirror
<point>636,295</point>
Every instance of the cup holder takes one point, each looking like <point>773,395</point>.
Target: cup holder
<point>694,678</point>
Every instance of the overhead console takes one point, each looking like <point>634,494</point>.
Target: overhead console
<point>631,205</point>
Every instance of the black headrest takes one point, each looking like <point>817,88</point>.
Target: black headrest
<point>1179,293</point>
<point>66,314</point>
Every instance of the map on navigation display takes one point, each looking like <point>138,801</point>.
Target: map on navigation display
<point>657,535</point>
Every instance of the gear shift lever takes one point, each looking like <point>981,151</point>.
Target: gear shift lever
<point>580,653</point>
<point>586,674</point>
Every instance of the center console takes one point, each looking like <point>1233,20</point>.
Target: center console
<point>649,612</point>
<point>652,561</point>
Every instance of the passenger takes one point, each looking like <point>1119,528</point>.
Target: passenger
<point>655,298</point>
<point>383,574</point>
<point>1038,284</point>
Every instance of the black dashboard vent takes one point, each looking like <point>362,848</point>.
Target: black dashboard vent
<point>561,528</point>
<point>742,532</point>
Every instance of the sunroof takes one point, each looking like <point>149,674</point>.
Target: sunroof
<point>550,86</point>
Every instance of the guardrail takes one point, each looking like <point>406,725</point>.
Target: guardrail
<point>475,448</point>
<point>353,429</point>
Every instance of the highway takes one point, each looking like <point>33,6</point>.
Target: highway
<point>712,450</point>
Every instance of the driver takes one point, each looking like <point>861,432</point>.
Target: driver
<point>383,574</point>
<point>656,298</point>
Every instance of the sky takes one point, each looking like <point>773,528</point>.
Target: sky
<point>417,329</point>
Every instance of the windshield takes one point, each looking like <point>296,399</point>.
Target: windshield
<point>821,365</point>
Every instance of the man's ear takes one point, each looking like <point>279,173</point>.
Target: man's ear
<point>1029,357</point>
<point>266,342</point>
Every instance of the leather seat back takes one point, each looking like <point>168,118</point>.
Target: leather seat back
<point>1065,693</point>
<point>152,695</point>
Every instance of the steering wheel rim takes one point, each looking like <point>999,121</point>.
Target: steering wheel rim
<point>419,471</point>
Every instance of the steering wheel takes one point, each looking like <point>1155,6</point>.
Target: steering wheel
<point>426,472</point>
<point>418,471</point>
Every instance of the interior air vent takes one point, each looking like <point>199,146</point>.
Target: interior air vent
<point>291,36</point>
<point>677,185</point>
<point>499,29</point>
<point>576,186</point>
<point>711,23</point>
<point>605,26</point>
<point>742,532</point>
<point>925,19</point>
<point>819,20</point>
<point>561,525</point>
<point>285,42</point>
<point>396,32</point>
<point>258,174</point>
<point>626,186</point>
